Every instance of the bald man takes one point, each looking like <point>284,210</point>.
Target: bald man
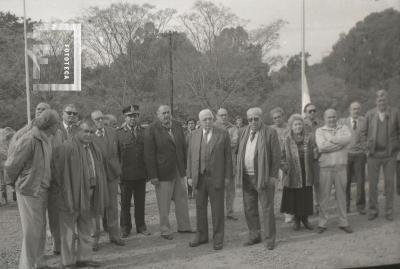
<point>332,141</point>
<point>210,168</point>
<point>233,131</point>
<point>165,158</point>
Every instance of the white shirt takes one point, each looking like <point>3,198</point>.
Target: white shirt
<point>65,125</point>
<point>208,135</point>
<point>249,154</point>
<point>381,115</point>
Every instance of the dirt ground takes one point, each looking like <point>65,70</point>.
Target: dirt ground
<point>372,243</point>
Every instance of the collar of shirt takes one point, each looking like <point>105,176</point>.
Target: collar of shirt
<point>100,132</point>
<point>209,131</point>
<point>65,125</point>
<point>382,115</point>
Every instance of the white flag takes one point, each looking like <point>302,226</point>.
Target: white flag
<point>305,93</point>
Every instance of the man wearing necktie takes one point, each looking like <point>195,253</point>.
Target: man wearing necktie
<point>165,158</point>
<point>69,120</point>
<point>134,174</point>
<point>78,168</point>
<point>357,157</point>
<point>257,167</point>
<point>106,140</point>
<point>209,166</point>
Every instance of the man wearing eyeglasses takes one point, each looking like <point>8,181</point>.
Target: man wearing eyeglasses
<point>230,190</point>
<point>257,167</point>
<point>69,119</point>
<point>311,123</point>
<point>134,173</point>
<point>106,140</point>
<point>210,168</point>
<point>78,168</point>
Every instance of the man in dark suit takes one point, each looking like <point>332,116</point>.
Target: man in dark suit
<point>210,168</point>
<point>106,140</point>
<point>134,174</point>
<point>357,157</point>
<point>257,167</point>
<point>382,133</point>
<point>165,157</point>
<point>68,126</point>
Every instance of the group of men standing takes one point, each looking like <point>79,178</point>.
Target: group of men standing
<point>72,169</point>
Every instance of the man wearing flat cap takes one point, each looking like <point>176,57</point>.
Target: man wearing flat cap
<point>134,174</point>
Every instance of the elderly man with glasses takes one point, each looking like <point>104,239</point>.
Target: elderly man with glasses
<point>258,163</point>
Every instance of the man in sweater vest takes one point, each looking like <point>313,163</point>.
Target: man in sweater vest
<point>382,131</point>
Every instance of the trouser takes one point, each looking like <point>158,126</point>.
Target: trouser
<point>335,175</point>
<point>316,186</point>
<point>75,247</point>
<point>137,188</point>
<point>111,213</point>
<point>205,190</point>
<point>173,190</point>
<point>398,177</point>
<point>54,218</point>
<point>374,166</point>
<point>230,192</point>
<point>3,186</point>
<point>356,169</point>
<point>32,210</point>
<point>251,197</point>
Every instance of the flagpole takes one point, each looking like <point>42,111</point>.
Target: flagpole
<point>303,46</point>
<point>28,94</point>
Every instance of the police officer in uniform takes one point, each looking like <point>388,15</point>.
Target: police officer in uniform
<point>134,174</point>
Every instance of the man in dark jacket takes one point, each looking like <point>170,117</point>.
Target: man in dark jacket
<point>106,140</point>
<point>134,174</point>
<point>165,156</point>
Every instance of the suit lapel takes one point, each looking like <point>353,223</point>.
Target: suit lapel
<point>213,140</point>
<point>197,141</point>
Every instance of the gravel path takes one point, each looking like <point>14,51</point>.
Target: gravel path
<point>373,242</point>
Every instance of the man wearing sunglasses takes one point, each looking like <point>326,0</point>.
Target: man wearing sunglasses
<point>78,168</point>
<point>134,173</point>
<point>311,123</point>
<point>257,167</point>
<point>69,120</point>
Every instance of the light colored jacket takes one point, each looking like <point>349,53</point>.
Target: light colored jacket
<point>29,164</point>
<point>358,143</point>
<point>333,145</point>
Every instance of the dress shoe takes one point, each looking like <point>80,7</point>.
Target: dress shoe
<point>125,234</point>
<point>389,217</point>
<point>71,266</point>
<point>218,246</point>
<point>144,232</point>
<point>231,217</point>
<point>95,246</point>
<point>87,264</point>
<point>167,236</point>
<point>320,229</point>
<point>118,242</point>
<point>46,267</point>
<point>372,216</point>
<point>270,245</point>
<point>347,229</point>
<point>56,252</point>
<point>251,242</point>
<point>187,232</point>
<point>196,243</point>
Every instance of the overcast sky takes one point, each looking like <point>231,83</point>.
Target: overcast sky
<point>325,19</point>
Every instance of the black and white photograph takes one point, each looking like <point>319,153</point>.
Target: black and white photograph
<point>199,134</point>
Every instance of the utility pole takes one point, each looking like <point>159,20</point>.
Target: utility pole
<point>171,73</point>
<point>28,93</point>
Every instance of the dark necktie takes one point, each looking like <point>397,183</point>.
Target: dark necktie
<point>69,129</point>
<point>354,124</point>
<point>252,135</point>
